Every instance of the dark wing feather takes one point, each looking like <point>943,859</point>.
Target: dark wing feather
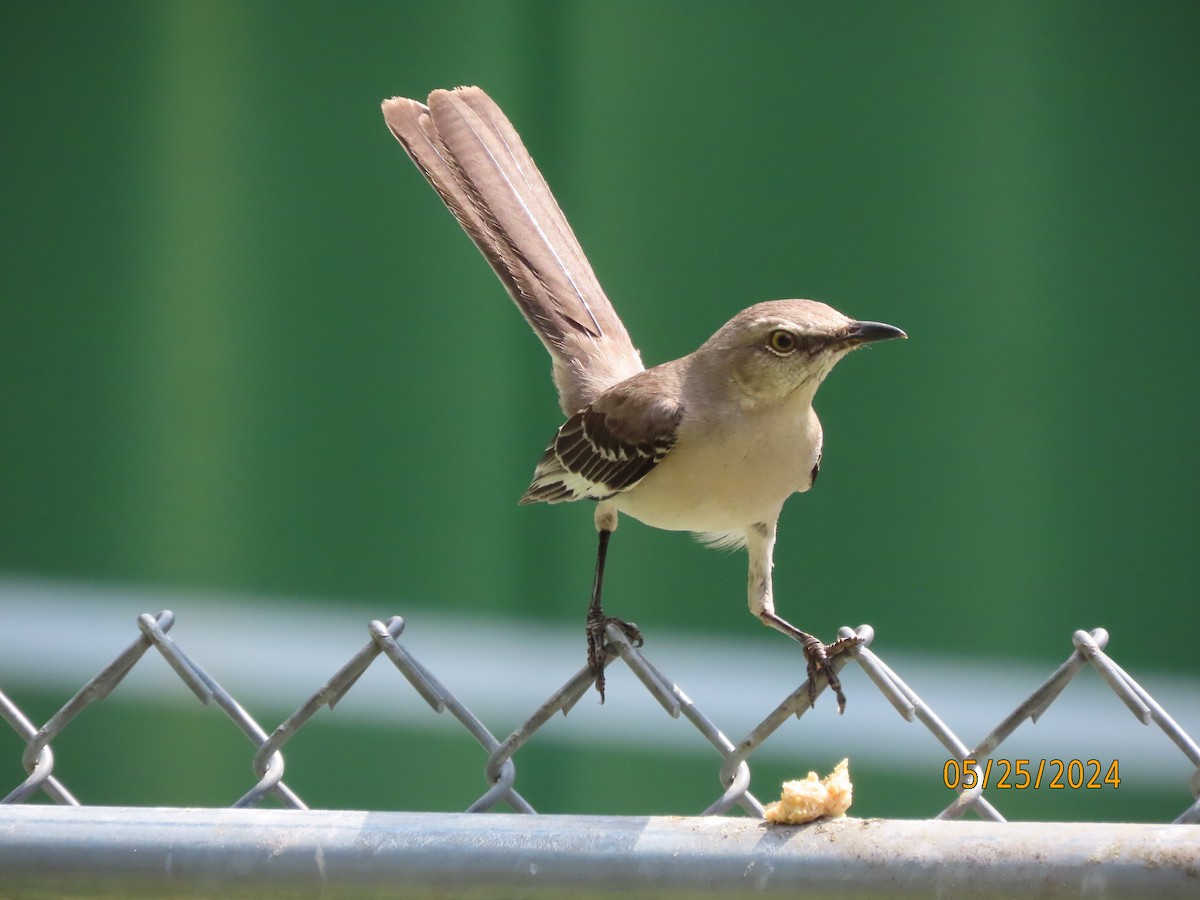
<point>609,446</point>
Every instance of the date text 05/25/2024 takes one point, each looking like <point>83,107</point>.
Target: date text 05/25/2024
<point>1031,774</point>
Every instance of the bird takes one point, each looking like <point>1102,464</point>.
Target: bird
<point>711,443</point>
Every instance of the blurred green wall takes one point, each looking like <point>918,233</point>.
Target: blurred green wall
<point>243,347</point>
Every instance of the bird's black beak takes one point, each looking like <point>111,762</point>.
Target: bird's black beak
<point>869,332</point>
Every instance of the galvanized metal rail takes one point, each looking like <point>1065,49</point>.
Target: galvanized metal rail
<point>123,852</point>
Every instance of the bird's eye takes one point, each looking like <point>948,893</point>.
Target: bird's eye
<point>781,341</point>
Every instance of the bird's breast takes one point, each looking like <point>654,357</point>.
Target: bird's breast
<point>724,476</point>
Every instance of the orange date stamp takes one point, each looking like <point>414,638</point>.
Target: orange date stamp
<point>1031,774</point>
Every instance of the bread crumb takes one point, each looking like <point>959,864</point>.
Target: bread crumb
<point>811,798</point>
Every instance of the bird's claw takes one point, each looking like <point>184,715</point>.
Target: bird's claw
<point>597,644</point>
<point>820,662</point>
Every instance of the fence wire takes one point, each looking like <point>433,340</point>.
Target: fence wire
<point>500,768</point>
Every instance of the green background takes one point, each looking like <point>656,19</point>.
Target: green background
<point>243,347</point>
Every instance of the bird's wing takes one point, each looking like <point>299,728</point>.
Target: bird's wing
<point>611,445</point>
<point>471,154</point>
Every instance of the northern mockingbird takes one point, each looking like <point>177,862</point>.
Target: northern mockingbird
<point>712,443</point>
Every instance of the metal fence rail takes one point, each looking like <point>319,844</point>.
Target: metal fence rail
<point>59,850</point>
<point>97,851</point>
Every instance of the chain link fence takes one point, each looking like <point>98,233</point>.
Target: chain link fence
<point>968,767</point>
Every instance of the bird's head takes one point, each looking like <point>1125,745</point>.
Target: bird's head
<point>776,348</point>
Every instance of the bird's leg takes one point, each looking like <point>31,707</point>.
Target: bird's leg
<point>760,542</point>
<point>597,621</point>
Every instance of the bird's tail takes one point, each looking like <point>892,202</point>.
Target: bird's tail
<point>471,154</point>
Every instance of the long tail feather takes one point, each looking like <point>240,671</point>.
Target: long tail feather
<point>471,154</point>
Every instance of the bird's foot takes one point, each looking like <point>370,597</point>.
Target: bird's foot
<point>820,662</point>
<point>597,652</point>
